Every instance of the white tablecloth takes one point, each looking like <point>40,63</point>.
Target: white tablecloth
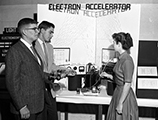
<point>72,97</point>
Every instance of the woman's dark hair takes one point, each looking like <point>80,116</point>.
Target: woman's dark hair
<point>124,38</point>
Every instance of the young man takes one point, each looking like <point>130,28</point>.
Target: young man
<point>24,74</point>
<point>45,50</point>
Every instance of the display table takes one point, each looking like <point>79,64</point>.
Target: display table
<point>102,99</point>
<point>72,97</point>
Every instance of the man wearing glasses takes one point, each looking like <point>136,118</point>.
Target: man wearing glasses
<point>24,74</point>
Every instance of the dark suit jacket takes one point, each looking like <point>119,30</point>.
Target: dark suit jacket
<point>48,69</point>
<point>24,79</point>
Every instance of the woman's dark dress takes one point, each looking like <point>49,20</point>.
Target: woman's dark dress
<point>123,71</point>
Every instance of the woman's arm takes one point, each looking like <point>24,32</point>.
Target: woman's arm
<point>124,94</point>
<point>104,74</point>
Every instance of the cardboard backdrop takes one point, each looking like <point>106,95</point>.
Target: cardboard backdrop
<point>86,33</point>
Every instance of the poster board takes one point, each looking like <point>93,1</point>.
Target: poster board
<point>108,54</point>
<point>87,30</point>
<point>61,56</point>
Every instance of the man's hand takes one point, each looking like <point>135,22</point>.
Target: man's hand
<point>63,75</point>
<point>66,72</point>
<point>24,112</point>
<point>70,72</point>
<point>59,74</point>
<point>55,86</point>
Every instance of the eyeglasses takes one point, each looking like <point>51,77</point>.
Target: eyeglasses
<point>35,28</point>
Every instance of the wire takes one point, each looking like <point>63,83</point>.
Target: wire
<point>102,70</point>
<point>96,81</point>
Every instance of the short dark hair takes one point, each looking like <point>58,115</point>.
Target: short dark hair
<point>124,38</point>
<point>25,21</point>
<point>45,25</point>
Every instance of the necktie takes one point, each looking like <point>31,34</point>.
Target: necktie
<point>46,55</point>
<point>36,55</point>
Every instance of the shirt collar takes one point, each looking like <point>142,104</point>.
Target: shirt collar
<point>121,56</point>
<point>26,43</point>
<point>40,41</point>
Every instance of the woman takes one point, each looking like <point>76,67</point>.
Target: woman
<point>123,105</point>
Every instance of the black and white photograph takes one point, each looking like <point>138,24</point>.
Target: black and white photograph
<point>78,60</point>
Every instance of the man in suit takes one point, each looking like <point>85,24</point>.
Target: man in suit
<point>45,50</point>
<point>24,74</point>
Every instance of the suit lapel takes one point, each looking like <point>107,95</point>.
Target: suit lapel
<point>40,53</point>
<point>28,52</point>
<point>49,52</point>
<point>50,56</point>
<point>39,50</point>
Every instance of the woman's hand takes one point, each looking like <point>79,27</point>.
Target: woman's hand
<point>119,108</point>
<point>104,74</point>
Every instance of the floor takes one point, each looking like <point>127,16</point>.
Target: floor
<point>85,117</point>
<point>89,117</point>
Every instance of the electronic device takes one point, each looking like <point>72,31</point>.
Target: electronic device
<point>80,69</point>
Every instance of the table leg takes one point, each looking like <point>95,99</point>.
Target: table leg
<point>66,115</point>
<point>156,116</point>
<point>59,115</point>
<point>0,116</point>
<point>66,112</point>
<point>99,113</point>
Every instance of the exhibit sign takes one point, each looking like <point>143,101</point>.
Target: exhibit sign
<point>87,28</point>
